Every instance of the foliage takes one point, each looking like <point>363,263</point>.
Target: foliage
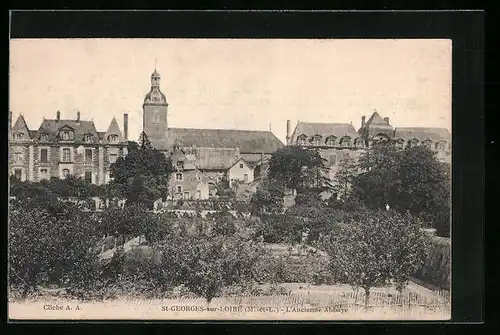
<point>267,199</point>
<point>51,242</point>
<point>344,177</point>
<point>206,264</point>
<point>410,179</point>
<point>280,228</point>
<point>142,176</point>
<point>299,168</point>
<point>378,248</point>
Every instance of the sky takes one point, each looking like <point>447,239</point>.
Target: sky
<point>254,84</point>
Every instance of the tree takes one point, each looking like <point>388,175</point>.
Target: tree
<point>267,199</point>
<point>380,247</point>
<point>51,243</point>
<point>299,169</point>
<point>410,179</point>
<point>206,264</point>
<point>344,177</point>
<point>142,176</point>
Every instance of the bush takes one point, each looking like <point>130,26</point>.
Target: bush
<point>52,243</point>
<point>280,228</point>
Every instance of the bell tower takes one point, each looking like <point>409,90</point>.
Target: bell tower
<point>154,109</point>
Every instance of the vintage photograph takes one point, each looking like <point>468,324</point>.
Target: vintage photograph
<point>229,179</point>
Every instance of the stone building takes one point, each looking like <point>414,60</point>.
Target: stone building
<point>60,147</point>
<point>336,141</point>
<point>213,151</point>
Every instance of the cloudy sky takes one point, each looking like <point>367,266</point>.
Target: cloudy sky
<point>233,83</point>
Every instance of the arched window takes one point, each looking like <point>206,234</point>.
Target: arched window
<point>302,139</point>
<point>113,138</point>
<point>316,140</point>
<point>427,143</point>
<point>345,141</point>
<point>331,140</point>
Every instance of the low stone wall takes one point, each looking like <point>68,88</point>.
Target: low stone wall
<point>437,268</point>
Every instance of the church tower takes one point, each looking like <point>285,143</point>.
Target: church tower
<point>155,111</point>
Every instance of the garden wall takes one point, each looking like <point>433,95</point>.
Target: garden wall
<point>437,267</point>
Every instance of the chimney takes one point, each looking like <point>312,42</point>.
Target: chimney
<point>261,156</point>
<point>78,117</point>
<point>288,131</point>
<point>386,119</point>
<point>363,119</point>
<point>125,126</point>
<point>58,116</point>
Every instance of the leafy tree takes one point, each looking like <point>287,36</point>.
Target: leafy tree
<point>378,248</point>
<point>142,176</point>
<point>299,169</point>
<point>410,179</point>
<point>267,199</point>
<point>344,177</point>
<point>208,264</point>
<point>51,243</point>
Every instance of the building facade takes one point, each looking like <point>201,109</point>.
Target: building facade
<point>337,141</point>
<point>62,147</point>
<point>212,153</point>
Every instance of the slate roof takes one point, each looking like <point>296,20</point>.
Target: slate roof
<point>52,126</point>
<point>20,126</point>
<point>375,125</point>
<point>422,133</point>
<point>215,158</point>
<point>248,141</point>
<point>324,129</point>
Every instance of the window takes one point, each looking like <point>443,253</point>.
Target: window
<point>87,138</point>
<point>441,146</point>
<point>333,159</point>
<point>179,189</point>
<point>180,164</point>
<point>245,177</point>
<point>18,173</point>
<point>241,165</point>
<point>65,173</point>
<point>345,141</point>
<point>413,142</point>
<point>66,135</point>
<point>44,174</point>
<point>18,156</point>
<point>66,155</point>
<point>331,141</point>
<point>19,136</point>
<point>178,176</point>
<point>317,140</point>
<point>113,138</point>
<point>302,139</point>
<point>427,143</point>
<point>88,176</point>
<point>360,143</point>
<point>113,158</point>
<point>88,156</point>
<point>186,195</point>
<point>44,137</point>
<point>44,155</point>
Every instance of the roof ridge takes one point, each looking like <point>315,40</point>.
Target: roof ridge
<point>248,130</point>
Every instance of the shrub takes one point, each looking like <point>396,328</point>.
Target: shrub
<point>52,243</point>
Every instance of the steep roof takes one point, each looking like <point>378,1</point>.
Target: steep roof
<point>214,158</point>
<point>52,126</point>
<point>20,126</point>
<point>324,129</point>
<point>422,133</point>
<point>376,125</point>
<point>114,129</point>
<point>248,141</point>
<point>377,120</point>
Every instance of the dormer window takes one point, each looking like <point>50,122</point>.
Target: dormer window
<point>331,141</point>
<point>316,140</point>
<point>413,142</point>
<point>400,143</point>
<point>345,141</point>
<point>113,138</point>
<point>359,142</point>
<point>44,137</point>
<point>18,136</point>
<point>180,164</point>
<point>427,143</point>
<point>66,135</point>
<point>441,146</point>
<point>302,139</point>
<point>88,138</point>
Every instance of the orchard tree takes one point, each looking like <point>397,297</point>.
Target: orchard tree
<point>376,248</point>
<point>299,169</point>
<point>142,176</point>
<point>268,198</point>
